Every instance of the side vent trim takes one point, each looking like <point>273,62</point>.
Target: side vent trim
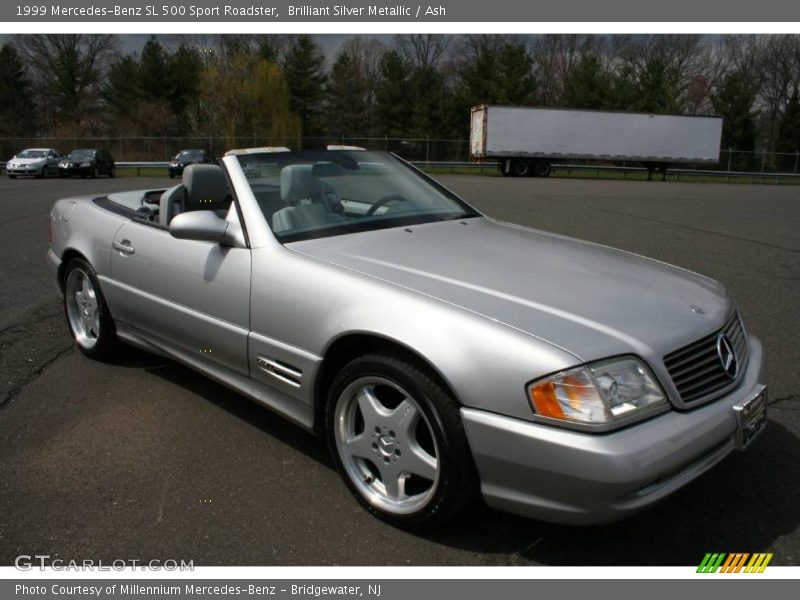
<point>281,371</point>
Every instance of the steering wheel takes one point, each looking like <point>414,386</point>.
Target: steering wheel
<point>384,200</point>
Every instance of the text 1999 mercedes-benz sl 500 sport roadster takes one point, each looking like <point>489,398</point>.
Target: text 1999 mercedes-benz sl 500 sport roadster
<point>444,355</point>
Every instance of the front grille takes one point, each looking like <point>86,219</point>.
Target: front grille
<point>696,369</point>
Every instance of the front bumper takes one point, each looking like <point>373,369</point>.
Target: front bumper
<point>565,476</point>
<point>23,170</point>
<point>69,171</point>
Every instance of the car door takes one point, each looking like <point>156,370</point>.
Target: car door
<point>193,296</point>
<point>52,160</point>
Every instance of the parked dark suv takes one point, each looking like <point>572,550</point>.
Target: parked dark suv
<point>87,162</point>
<point>184,158</point>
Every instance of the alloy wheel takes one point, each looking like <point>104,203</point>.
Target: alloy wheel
<point>386,445</point>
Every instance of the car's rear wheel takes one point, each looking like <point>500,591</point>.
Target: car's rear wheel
<point>397,438</point>
<point>45,172</point>
<point>95,173</point>
<point>87,314</point>
<point>113,172</point>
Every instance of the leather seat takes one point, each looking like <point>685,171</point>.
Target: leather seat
<point>310,201</point>
<point>203,188</point>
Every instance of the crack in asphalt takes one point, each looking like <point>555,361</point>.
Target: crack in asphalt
<point>16,389</point>
<point>28,346</point>
<point>782,399</point>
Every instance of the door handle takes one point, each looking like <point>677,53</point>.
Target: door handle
<point>124,246</point>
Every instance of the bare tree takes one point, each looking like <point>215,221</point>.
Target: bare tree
<point>68,70</point>
<point>555,56</point>
<point>781,71</point>
<point>423,51</point>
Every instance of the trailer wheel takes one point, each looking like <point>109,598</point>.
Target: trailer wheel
<point>520,168</point>
<point>542,169</point>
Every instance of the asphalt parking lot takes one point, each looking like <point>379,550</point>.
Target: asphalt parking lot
<point>143,458</point>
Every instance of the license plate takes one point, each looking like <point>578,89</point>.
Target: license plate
<point>751,417</point>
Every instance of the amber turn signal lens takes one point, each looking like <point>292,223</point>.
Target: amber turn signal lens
<point>543,398</point>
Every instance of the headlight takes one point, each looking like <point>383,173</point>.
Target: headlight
<point>601,395</point>
<point>86,164</point>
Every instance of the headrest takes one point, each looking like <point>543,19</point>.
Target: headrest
<point>205,184</point>
<point>298,183</point>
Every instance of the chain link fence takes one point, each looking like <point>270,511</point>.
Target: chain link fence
<point>423,149</point>
<point>164,148</point>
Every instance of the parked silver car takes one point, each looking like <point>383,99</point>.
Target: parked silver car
<point>443,354</point>
<point>36,162</point>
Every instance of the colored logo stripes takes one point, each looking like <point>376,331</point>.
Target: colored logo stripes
<point>734,562</point>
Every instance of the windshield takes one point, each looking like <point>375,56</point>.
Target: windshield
<point>189,155</point>
<point>312,194</point>
<point>81,154</point>
<point>32,154</point>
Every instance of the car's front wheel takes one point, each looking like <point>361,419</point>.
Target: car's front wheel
<point>397,438</point>
<point>87,314</point>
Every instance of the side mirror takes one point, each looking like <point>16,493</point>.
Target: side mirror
<point>201,225</point>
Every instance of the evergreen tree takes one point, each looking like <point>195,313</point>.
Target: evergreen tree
<point>155,76</point>
<point>185,66</point>
<point>789,133</point>
<point>733,100</point>
<point>17,113</point>
<point>303,69</point>
<point>346,93</point>
<point>392,111</point>
<point>588,85</point>
<point>122,90</point>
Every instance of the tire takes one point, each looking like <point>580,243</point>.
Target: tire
<point>172,175</point>
<point>62,175</point>
<point>112,172</point>
<point>12,176</point>
<point>88,317</point>
<point>95,173</point>
<point>521,168</point>
<point>542,169</point>
<point>425,458</point>
<point>45,173</point>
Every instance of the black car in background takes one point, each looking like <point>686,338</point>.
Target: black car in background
<point>184,158</point>
<point>87,162</point>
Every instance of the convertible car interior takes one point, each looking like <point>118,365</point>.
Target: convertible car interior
<point>301,200</point>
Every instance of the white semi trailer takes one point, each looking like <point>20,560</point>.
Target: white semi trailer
<point>527,141</point>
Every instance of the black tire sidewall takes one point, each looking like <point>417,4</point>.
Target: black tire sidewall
<point>457,477</point>
<point>521,168</point>
<point>107,340</point>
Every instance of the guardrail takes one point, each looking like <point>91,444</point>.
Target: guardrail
<point>674,174</point>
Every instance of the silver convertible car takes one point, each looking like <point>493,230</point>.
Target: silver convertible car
<point>444,355</point>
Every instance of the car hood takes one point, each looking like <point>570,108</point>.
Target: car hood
<point>590,300</point>
<point>26,161</point>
